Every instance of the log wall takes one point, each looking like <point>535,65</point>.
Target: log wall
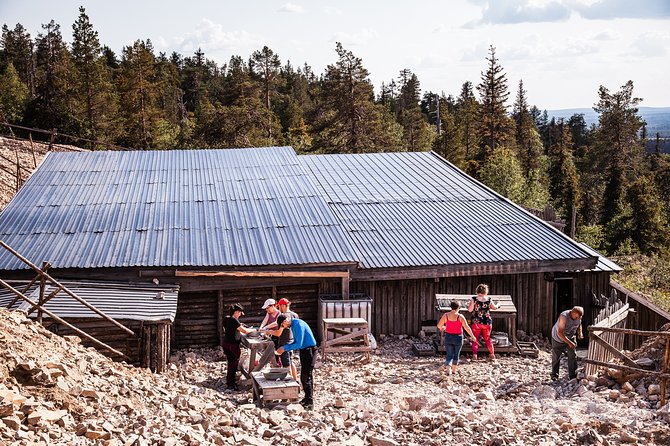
<point>399,306</point>
<point>199,317</point>
<point>149,348</point>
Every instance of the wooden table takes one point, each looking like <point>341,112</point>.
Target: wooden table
<point>264,390</point>
<point>257,345</point>
<point>351,335</point>
<point>506,310</point>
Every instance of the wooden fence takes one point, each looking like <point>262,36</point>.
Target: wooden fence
<point>606,340</point>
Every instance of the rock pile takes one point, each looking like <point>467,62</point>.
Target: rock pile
<point>54,391</point>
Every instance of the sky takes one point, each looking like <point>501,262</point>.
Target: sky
<point>563,50</point>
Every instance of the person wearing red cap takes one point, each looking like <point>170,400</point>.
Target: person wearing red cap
<point>231,342</point>
<point>285,307</point>
<point>284,337</point>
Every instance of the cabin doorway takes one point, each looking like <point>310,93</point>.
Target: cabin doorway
<point>563,295</point>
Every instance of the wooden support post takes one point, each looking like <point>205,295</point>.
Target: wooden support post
<point>43,284</point>
<point>32,148</point>
<point>345,287</point>
<point>220,314</point>
<point>664,381</point>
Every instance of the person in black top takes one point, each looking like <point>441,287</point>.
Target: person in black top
<point>231,342</point>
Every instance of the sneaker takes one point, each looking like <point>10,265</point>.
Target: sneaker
<point>492,358</point>
<point>554,378</point>
<point>307,403</point>
<point>474,357</point>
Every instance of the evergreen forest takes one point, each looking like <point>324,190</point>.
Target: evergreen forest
<point>599,178</point>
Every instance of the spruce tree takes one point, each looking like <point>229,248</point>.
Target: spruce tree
<point>563,175</point>
<point>417,134</point>
<point>649,230</point>
<point>466,115</point>
<point>495,128</point>
<point>265,64</point>
<point>528,143</point>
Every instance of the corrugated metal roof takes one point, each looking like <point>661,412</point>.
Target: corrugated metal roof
<point>232,207</point>
<point>416,209</point>
<point>604,264</point>
<point>117,301</point>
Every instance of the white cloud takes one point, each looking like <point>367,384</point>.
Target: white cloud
<point>291,7</point>
<point>519,11</point>
<point>613,9</point>
<point>331,10</point>
<point>605,35</point>
<point>212,37</point>
<point>650,45</point>
<point>363,37</point>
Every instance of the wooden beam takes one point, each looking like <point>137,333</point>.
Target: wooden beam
<point>345,288</point>
<point>626,368</point>
<point>613,350</point>
<point>629,331</point>
<point>262,273</point>
<point>67,324</point>
<point>68,292</point>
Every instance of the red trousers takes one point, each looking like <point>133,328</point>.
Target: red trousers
<point>485,331</point>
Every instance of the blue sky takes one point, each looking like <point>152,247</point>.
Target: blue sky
<point>562,49</point>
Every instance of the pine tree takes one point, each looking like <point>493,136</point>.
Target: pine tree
<point>349,121</point>
<point>265,64</point>
<point>96,103</point>
<point>138,95</point>
<point>53,106</point>
<point>17,49</point>
<point>495,126</point>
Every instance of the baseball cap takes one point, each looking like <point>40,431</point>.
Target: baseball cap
<point>268,302</point>
<point>283,301</point>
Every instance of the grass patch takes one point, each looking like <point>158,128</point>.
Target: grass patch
<point>647,276</point>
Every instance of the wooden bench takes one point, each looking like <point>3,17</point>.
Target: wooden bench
<point>351,335</point>
<point>264,390</point>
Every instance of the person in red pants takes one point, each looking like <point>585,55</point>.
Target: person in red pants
<point>480,308</point>
<point>231,342</point>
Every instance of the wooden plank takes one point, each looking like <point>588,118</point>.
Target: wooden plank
<point>610,348</point>
<point>181,273</point>
<point>336,322</point>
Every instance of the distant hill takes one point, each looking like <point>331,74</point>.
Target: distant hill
<point>657,119</point>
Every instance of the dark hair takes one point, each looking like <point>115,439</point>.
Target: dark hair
<point>236,307</point>
<point>455,305</point>
<point>281,318</point>
<point>482,288</point>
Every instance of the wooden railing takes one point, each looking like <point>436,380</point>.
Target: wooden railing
<point>606,340</point>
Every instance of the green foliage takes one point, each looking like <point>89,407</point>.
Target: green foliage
<point>502,172</point>
<point>649,230</point>
<point>646,275</point>
<point>592,235</point>
<point>13,96</point>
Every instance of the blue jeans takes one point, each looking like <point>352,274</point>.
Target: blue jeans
<point>453,344</point>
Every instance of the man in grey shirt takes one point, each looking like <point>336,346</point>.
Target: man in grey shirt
<point>567,327</point>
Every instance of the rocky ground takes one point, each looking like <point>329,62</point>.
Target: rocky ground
<point>28,156</point>
<point>54,391</point>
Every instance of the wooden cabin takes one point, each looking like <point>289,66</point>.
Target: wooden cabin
<point>242,225</point>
